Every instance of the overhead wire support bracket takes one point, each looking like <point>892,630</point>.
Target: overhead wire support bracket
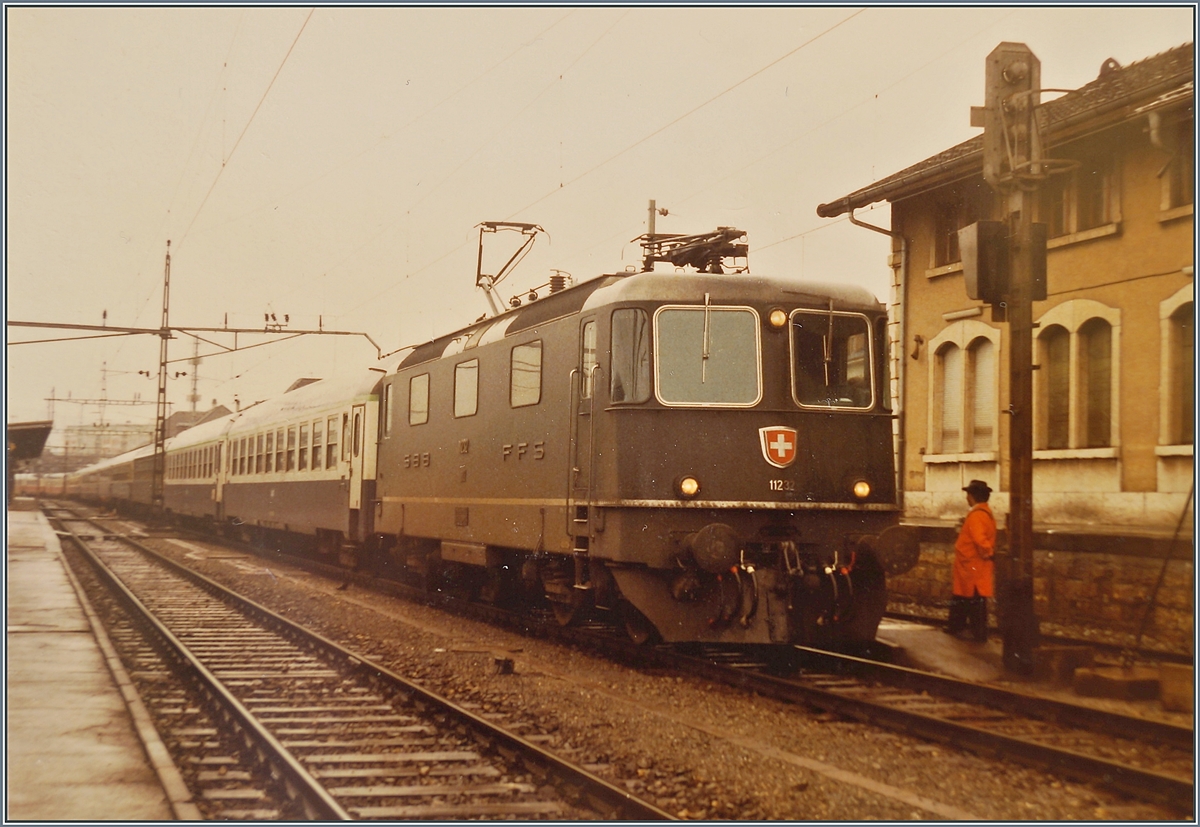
<point>192,331</point>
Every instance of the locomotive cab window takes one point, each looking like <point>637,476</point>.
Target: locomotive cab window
<point>525,386</point>
<point>831,360</point>
<point>630,356</point>
<point>707,356</point>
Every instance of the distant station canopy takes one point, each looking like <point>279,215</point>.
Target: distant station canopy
<point>27,439</point>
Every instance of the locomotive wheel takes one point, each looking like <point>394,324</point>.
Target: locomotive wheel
<point>569,608</point>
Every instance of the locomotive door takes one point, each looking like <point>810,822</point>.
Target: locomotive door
<point>582,473</point>
<point>354,446</point>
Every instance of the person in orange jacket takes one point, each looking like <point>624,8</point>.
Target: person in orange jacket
<point>973,571</point>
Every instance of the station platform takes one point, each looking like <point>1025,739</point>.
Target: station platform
<point>80,745</point>
<point>927,647</point>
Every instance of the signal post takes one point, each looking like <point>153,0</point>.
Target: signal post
<point>1004,262</point>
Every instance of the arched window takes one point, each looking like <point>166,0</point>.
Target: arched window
<point>1055,360</point>
<point>1096,376</point>
<point>1183,381</point>
<point>949,401</point>
<point>981,399</point>
<point>1076,390</point>
<point>963,385</point>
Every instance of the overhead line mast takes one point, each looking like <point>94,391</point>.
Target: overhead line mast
<point>160,419</point>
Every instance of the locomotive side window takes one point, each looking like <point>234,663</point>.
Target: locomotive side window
<point>279,468</point>
<point>302,461</point>
<point>385,422</point>
<point>707,356</point>
<point>831,364</point>
<point>291,448</point>
<point>525,386</point>
<point>418,399</point>
<point>357,433</point>
<point>331,454</point>
<point>317,450</point>
<point>466,388</point>
<point>630,356</point>
<point>588,362</point>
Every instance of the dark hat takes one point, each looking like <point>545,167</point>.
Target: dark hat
<point>977,487</point>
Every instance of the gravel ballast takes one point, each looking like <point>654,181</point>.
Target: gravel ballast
<point>696,749</point>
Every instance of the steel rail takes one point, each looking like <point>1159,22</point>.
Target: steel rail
<point>600,794</point>
<point>1009,700</point>
<point>1138,783</point>
<point>1141,784</point>
<point>315,799</point>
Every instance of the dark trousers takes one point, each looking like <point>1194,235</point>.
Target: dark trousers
<point>969,612</point>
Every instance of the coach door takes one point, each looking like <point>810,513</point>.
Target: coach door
<point>582,478</point>
<point>354,445</point>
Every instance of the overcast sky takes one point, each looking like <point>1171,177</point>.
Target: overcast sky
<point>333,164</point>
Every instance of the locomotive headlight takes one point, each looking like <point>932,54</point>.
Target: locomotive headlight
<point>688,487</point>
<point>862,489</point>
<point>777,318</point>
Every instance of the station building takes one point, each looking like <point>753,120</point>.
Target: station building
<point>1114,383</point>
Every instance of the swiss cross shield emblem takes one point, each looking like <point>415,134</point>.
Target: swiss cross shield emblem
<point>778,445</point>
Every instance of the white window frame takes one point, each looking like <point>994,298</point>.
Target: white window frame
<point>961,334</point>
<point>1073,315</point>
<point>1075,235</point>
<point>1166,309</point>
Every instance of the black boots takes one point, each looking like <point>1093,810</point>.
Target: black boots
<point>968,612</point>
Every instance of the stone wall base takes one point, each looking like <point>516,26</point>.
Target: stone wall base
<point>1105,597</point>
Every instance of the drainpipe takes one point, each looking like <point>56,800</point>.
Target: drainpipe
<point>899,275</point>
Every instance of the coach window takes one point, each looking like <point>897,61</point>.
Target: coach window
<point>707,356</point>
<point>630,356</point>
<point>258,456</point>
<point>331,454</point>
<point>302,463</point>
<point>317,427</point>
<point>357,433</point>
<point>291,448</point>
<point>269,463</point>
<point>525,385</point>
<point>279,468</point>
<point>418,399</point>
<point>831,360</point>
<point>466,388</point>
<point>244,460</point>
<point>345,437</point>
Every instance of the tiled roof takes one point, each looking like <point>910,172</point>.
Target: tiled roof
<point>1160,79</point>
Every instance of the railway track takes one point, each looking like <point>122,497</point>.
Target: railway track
<point>275,722</point>
<point>1105,650</point>
<point>1144,759</point>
